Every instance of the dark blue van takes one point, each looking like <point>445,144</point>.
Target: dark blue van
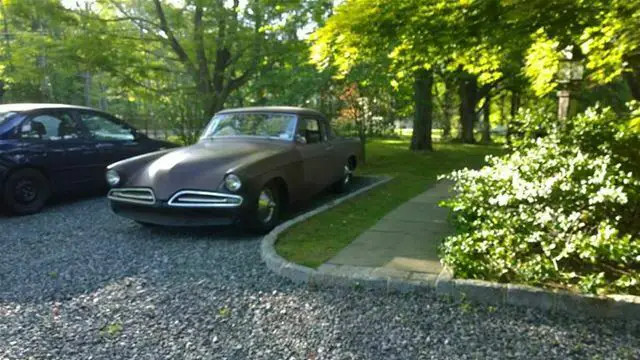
<point>47,149</point>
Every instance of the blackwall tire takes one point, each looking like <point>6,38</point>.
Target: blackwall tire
<point>26,191</point>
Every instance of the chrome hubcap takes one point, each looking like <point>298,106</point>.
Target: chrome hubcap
<point>347,174</point>
<point>266,206</point>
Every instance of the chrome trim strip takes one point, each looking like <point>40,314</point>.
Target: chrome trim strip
<point>144,196</point>
<point>211,202</point>
<point>187,199</point>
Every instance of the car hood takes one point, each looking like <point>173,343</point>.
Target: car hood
<point>201,166</point>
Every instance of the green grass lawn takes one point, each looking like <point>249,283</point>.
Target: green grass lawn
<point>316,240</point>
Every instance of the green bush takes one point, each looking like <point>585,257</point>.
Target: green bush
<point>561,210</point>
<point>177,140</point>
<point>530,124</point>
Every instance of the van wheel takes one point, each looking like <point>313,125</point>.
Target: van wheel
<point>26,191</point>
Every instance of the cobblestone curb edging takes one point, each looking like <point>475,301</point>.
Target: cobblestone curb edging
<point>624,307</point>
<point>297,272</point>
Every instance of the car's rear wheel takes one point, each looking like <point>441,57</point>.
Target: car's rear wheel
<point>344,183</point>
<point>266,209</point>
<point>26,191</point>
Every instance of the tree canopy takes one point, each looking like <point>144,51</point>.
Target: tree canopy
<point>436,61</point>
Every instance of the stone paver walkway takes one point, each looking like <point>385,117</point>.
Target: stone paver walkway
<point>406,239</point>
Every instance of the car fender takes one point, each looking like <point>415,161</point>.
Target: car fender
<point>289,169</point>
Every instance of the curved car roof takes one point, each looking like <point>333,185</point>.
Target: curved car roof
<point>275,109</point>
<point>20,107</point>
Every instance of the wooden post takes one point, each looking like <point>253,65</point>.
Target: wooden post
<point>564,100</point>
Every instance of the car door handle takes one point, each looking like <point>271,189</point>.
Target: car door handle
<point>104,146</point>
<point>329,147</point>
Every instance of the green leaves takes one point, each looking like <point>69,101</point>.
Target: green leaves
<point>614,35</point>
<point>560,209</point>
<point>542,63</point>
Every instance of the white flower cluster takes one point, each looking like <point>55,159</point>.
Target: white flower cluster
<point>530,213</point>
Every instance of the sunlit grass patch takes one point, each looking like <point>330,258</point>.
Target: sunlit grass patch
<point>316,240</point>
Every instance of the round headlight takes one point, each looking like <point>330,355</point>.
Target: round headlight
<point>112,177</point>
<point>232,182</point>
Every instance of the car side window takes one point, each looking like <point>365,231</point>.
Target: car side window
<point>102,128</point>
<point>310,130</point>
<point>324,131</point>
<point>53,127</point>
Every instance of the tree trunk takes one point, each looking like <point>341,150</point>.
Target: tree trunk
<point>216,104</point>
<point>632,75</point>
<point>363,144</point>
<point>502,106</point>
<point>103,99</point>
<point>468,101</point>
<point>423,118</point>
<point>486,120</point>
<point>213,87</point>
<point>87,88</point>
<point>7,45</point>
<point>448,105</point>
<point>515,106</point>
<point>361,126</point>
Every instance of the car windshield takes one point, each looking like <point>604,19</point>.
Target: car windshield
<point>267,125</point>
<point>4,116</point>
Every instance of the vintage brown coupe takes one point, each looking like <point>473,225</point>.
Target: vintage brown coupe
<point>247,167</point>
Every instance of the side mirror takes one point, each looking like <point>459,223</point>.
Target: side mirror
<point>137,135</point>
<point>300,139</point>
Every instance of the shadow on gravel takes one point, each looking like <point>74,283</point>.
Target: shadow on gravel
<point>59,202</point>
<point>78,282</point>
<point>77,245</point>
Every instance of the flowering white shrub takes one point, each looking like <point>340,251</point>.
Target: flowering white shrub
<point>561,210</point>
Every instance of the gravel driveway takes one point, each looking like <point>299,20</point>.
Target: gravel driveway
<point>77,282</point>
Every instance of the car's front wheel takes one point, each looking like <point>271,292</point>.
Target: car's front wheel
<point>26,191</point>
<point>266,208</point>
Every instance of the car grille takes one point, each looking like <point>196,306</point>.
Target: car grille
<point>133,195</point>
<point>200,199</point>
